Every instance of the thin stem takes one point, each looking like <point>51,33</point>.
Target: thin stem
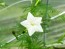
<point>37,2</point>
<point>13,4</point>
<point>57,15</point>
<point>11,40</point>
<point>45,24</point>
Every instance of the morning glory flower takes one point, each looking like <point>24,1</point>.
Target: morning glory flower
<point>32,24</point>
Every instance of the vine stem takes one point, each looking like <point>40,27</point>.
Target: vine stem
<point>45,23</point>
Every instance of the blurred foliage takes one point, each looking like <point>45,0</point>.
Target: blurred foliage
<point>12,26</point>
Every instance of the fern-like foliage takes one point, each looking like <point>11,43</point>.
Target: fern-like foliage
<point>14,35</point>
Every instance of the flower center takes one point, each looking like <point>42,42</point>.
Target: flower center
<point>32,23</point>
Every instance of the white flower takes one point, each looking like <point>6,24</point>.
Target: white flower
<point>33,24</point>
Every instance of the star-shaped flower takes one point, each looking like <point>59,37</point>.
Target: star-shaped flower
<point>33,24</point>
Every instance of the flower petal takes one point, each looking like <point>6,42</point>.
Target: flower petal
<point>31,31</point>
<point>38,20</point>
<point>30,17</point>
<point>38,28</point>
<point>26,24</point>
